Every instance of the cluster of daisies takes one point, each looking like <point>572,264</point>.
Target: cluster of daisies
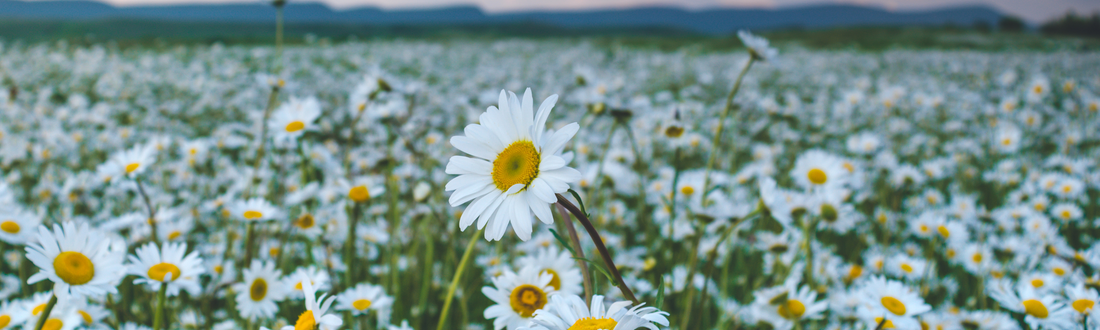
<point>410,185</point>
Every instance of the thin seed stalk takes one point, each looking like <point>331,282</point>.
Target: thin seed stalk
<point>262,139</point>
<point>721,125</point>
<point>808,236</point>
<point>578,253</point>
<point>46,313</point>
<point>152,212</point>
<point>458,276</point>
<point>158,321</point>
<point>595,236</point>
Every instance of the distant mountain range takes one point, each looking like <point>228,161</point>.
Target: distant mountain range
<point>707,21</point>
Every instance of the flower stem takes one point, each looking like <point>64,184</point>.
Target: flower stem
<point>249,250</point>
<point>349,246</point>
<point>262,139</point>
<point>46,313</point>
<point>578,253</point>
<point>721,125</point>
<point>152,211</point>
<point>158,320</point>
<point>458,276</point>
<point>592,233</point>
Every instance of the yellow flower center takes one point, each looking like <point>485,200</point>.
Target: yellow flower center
<point>1037,283</point>
<point>792,309</point>
<point>258,290</point>
<point>295,126</point>
<point>218,269</point>
<point>855,272</point>
<point>526,299</point>
<point>306,321</point>
<point>74,268</point>
<point>158,271</point>
<point>1065,214</point>
<point>361,304</point>
<point>908,269</point>
<point>299,285</point>
<point>943,231</point>
<point>516,164</point>
<point>38,309</point>
<point>52,324</point>
<point>10,227</point>
<point>590,323</point>
<point>306,221</point>
<point>887,325</point>
<point>4,320</point>
<point>132,167</point>
<point>893,305</point>
<point>87,317</point>
<point>1083,305</point>
<point>674,131</point>
<point>687,190</point>
<point>1035,308</point>
<point>253,215</point>
<point>359,194</point>
<point>817,176</point>
<point>174,235</point>
<point>555,281</point>
<point>1059,271</point>
<point>977,257</point>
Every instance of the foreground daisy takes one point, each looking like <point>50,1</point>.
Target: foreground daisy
<point>155,266</point>
<point>314,317</point>
<point>516,169</point>
<point>364,298</point>
<point>77,259</point>
<point>892,301</point>
<point>261,289</point>
<point>517,297</point>
<point>786,305</point>
<point>567,311</point>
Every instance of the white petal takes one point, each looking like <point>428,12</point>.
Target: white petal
<point>542,115</point>
<point>551,162</point>
<point>541,189</point>
<point>473,147</point>
<point>555,143</point>
<point>467,165</point>
<point>541,210</point>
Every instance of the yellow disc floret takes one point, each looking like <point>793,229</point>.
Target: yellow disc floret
<point>74,268</point>
<point>516,164</point>
<point>526,299</point>
<point>893,305</point>
<point>258,290</point>
<point>159,271</point>
<point>591,323</point>
<point>817,176</point>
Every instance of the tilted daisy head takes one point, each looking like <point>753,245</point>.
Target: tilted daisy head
<point>516,169</point>
<point>77,259</point>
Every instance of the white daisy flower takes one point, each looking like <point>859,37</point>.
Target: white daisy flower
<point>17,225</point>
<point>788,305</point>
<point>294,118</point>
<point>129,163</point>
<point>319,280</point>
<point>168,265</point>
<point>361,189</point>
<point>1083,300</point>
<point>261,289</point>
<point>517,297</point>
<point>11,314</point>
<point>567,277</point>
<point>315,317</point>
<point>255,209</point>
<point>819,169</point>
<point>758,46</point>
<point>364,298</point>
<point>1041,310</point>
<point>78,260</point>
<point>893,301</point>
<point>568,311</point>
<point>517,168</point>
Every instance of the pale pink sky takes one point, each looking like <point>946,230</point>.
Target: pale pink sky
<point>1031,10</point>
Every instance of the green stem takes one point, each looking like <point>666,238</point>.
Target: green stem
<point>152,211</point>
<point>349,246</point>
<point>595,236</point>
<point>578,253</point>
<point>46,313</point>
<point>262,139</point>
<point>721,125</point>
<point>458,276</point>
<point>249,249</point>
<point>158,321</point>
<point>807,239</point>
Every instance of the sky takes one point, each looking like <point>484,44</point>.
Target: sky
<point>1034,11</point>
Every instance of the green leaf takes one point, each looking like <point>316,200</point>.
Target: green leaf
<point>660,293</point>
<point>563,242</point>
<point>580,202</point>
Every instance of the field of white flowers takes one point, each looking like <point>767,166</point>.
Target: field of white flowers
<point>546,184</point>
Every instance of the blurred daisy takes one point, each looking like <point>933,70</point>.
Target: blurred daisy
<point>315,317</point>
<point>1083,300</point>
<point>819,169</point>
<point>17,225</point>
<point>517,297</point>
<point>294,118</point>
<point>361,189</point>
<point>757,46</point>
<point>893,301</point>
<point>77,259</point>
<point>560,265</point>
<point>261,289</point>
<point>156,266</point>
<point>784,307</point>
<point>11,314</point>
<point>255,209</point>
<point>364,298</point>
<point>317,278</point>
<point>517,168</point>
<point>130,163</point>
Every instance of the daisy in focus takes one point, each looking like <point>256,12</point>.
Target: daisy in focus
<point>516,169</point>
<point>517,296</point>
<point>261,289</point>
<point>155,267</point>
<point>77,259</point>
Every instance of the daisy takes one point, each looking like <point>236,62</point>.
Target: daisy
<point>517,297</point>
<point>168,265</point>
<point>130,163</point>
<point>560,265</point>
<point>892,300</point>
<point>317,278</point>
<point>17,225</point>
<point>819,169</point>
<point>255,209</point>
<point>363,298</point>
<point>10,315</point>
<point>758,46</point>
<point>1083,300</point>
<point>904,266</point>
<point>568,311</point>
<point>789,306</point>
<point>315,317</point>
<point>261,289</point>
<point>294,118</point>
<point>1041,310</point>
<point>1066,212</point>
<point>78,260</point>
<point>361,189</point>
<point>517,167</point>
